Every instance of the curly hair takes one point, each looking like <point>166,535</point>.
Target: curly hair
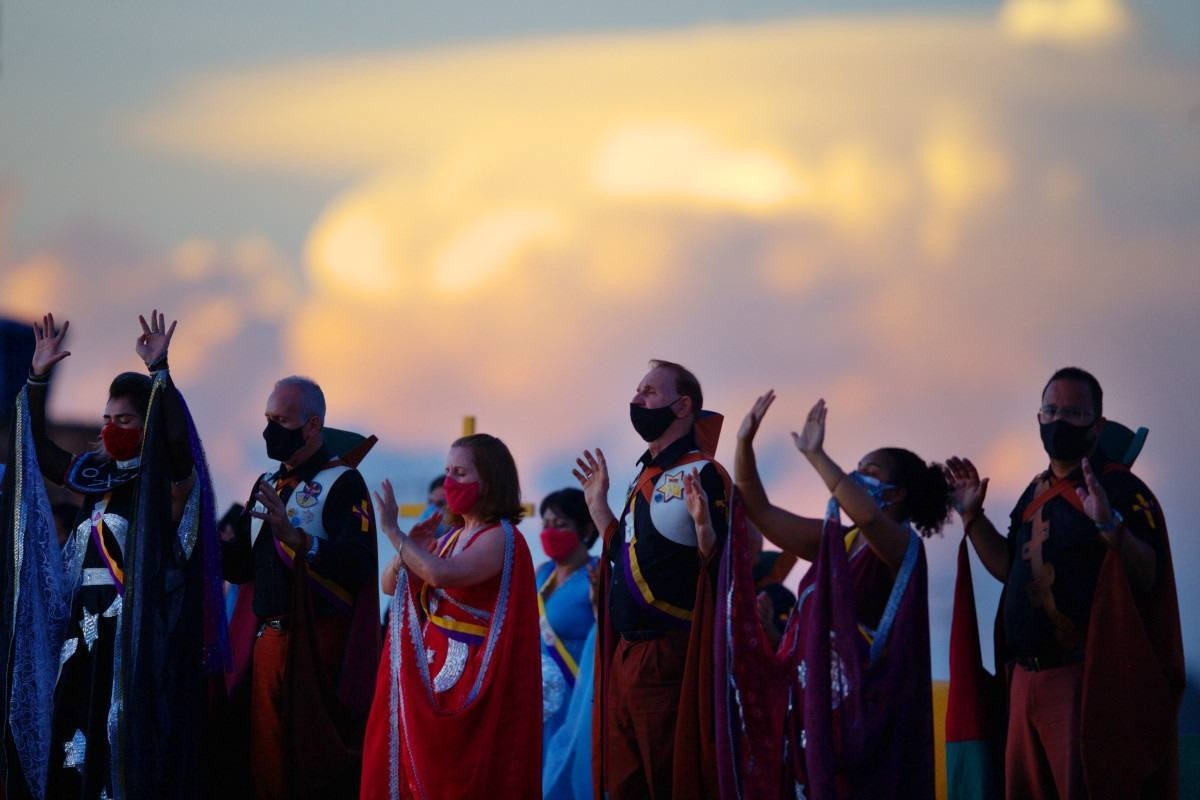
<point>928,501</point>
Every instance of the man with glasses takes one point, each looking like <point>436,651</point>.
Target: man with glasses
<point>1088,616</point>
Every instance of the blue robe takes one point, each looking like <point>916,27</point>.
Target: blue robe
<point>566,674</point>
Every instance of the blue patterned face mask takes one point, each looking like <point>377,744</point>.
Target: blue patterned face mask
<point>873,486</point>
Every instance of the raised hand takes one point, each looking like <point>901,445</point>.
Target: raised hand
<point>275,517</point>
<point>1095,499</point>
<point>155,339</point>
<point>696,498</point>
<point>811,439</point>
<point>389,512</point>
<point>967,490</point>
<point>755,417</point>
<point>592,474</point>
<point>48,345</point>
<point>426,530</point>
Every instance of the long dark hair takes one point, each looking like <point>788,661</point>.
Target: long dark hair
<point>928,499</point>
<point>501,498</point>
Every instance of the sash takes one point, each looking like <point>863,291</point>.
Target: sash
<point>631,571</point>
<point>558,651</point>
<point>459,630</point>
<point>97,529</point>
<point>339,596</point>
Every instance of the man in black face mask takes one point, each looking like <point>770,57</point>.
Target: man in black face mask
<point>652,588</point>
<point>1088,582</point>
<point>307,542</point>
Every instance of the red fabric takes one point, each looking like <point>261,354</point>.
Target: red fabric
<point>242,627</point>
<point>1043,757</point>
<point>451,747</point>
<point>974,702</point>
<point>1133,682</point>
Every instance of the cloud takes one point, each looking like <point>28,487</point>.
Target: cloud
<point>913,217</point>
<point>1075,23</point>
<point>230,299</point>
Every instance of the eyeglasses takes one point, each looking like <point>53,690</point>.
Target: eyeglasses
<point>1072,414</point>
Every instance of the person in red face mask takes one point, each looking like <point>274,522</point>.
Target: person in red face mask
<point>144,540</point>
<point>457,707</point>
<point>567,619</point>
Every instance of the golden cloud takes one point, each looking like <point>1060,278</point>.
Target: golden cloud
<point>1065,22</point>
<point>852,207</point>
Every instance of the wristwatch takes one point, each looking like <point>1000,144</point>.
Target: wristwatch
<point>1115,522</point>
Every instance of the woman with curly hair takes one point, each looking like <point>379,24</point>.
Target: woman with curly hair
<point>843,707</point>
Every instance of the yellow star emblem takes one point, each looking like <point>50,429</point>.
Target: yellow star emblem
<point>671,487</point>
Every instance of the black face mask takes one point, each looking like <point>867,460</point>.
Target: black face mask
<point>1064,441</point>
<point>651,423</point>
<point>282,442</point>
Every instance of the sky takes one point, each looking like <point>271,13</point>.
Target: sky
<point>915,210</point>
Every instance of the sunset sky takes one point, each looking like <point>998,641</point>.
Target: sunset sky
<point>914,210</point>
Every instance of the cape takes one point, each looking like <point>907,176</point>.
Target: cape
<point>482,736</point>
<point>171,641</point>
<point>694,768</point>
<point>327,718</point>
<point>837,711</point>
<point>1133,680</point>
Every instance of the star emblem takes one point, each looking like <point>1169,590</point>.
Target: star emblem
<point>671,488</point>
<point>90,627</point>
<point>75,750</point>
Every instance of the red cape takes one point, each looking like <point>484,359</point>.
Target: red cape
<point>490,743</point>
<point>1133,681</point>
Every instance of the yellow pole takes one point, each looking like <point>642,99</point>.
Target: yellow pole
<point>468,425</point>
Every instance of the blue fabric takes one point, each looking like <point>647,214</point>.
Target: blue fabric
<point>42,608</point>
<point>569,612</point>
<point>567,765</point>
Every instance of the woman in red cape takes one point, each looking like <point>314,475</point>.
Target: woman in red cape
<point>458,699</point>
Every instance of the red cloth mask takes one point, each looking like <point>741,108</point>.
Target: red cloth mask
<point>559,543</point>
<point>121,443</point>
<point>461,497</point>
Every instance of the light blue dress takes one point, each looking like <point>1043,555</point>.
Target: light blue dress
<point>567,624</point>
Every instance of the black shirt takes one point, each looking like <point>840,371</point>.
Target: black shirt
<point>669,568</point>
<point>347,557</point>
<point>1056,564</point>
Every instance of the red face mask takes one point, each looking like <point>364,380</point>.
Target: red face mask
<point>461,497</point>
<point>121,443</point>
<point>559,543</point>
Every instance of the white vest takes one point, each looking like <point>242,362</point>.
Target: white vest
<point>306,505</point>
<point>668,506</point>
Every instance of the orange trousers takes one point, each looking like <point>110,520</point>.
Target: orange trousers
<point>266,699</point>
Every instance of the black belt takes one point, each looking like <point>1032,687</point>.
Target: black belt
<point>1052,661</point>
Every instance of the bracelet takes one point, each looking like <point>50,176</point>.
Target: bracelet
<point>1115,522</point>
<point>157,365</point>
<point>974,519</point>
<point>36,380</point>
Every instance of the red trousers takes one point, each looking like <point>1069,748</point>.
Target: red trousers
<point>266,699</point>
<point>1042,758</point>
<point>641,708</point>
